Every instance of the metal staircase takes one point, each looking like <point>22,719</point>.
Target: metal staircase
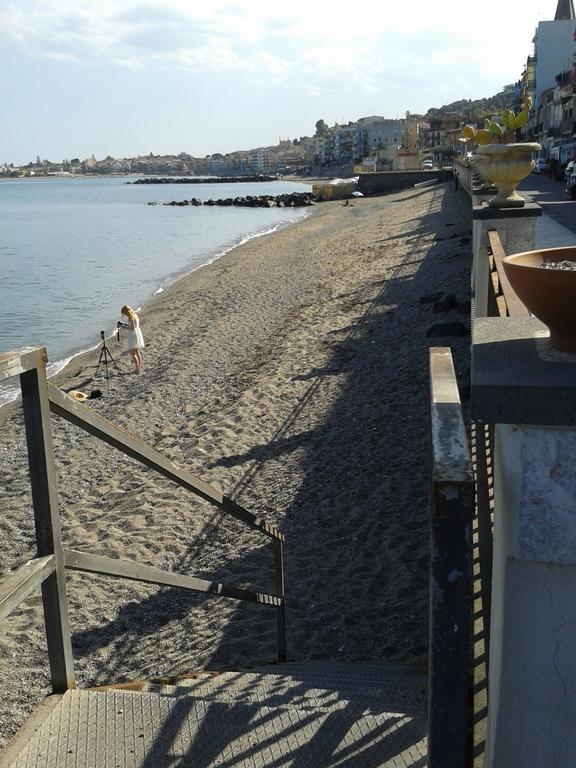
<point>312,714</point>
<point>316,714</point>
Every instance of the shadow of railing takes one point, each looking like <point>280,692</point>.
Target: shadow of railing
<point>373,440</point>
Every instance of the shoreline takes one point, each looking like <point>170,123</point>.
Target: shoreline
<point>291,373</point>
<point>62,364</point>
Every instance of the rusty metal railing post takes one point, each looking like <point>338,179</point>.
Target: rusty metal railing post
<point>48,537</point>
<point>281,610</point>
<point>452,504</point>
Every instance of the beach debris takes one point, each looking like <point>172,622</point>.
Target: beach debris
<point>75,394</point>
<point>447,329</point>
<point>446,303</point>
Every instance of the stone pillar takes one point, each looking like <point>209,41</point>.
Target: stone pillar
<point>517,229</point>
<point>529,392</point>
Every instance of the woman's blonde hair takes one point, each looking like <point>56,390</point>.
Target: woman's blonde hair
<point>129,312</point>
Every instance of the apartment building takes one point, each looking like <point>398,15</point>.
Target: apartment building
<point>554,48</point>
<point>378,133</point>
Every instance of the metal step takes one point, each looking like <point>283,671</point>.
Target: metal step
<point>311,687</point>
<point>113,729</point>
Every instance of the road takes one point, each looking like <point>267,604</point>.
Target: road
<point>553,199</point>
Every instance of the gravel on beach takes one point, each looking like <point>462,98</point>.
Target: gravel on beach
<point>293,374</point>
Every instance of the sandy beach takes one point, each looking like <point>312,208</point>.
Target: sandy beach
<point>291,373</point>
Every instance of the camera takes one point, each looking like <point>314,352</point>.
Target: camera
<point>119,327</point>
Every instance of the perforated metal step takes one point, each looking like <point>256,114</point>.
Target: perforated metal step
<point>312,687</point>
<point>240,720</point>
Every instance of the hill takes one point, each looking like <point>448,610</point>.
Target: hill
<point>502,100</point>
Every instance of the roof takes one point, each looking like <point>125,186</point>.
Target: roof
<point>565,11</point>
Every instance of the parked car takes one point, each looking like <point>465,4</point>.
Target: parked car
<point>542,166</point>
<point>427,165</point>
<point>571,186</point>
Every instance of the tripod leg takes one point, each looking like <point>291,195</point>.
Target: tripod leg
<point>102,355</point>
<point>112,359</point>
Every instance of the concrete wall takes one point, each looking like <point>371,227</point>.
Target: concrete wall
<point>532,650</point>
<point>388,181</point>
<point>332,172</point>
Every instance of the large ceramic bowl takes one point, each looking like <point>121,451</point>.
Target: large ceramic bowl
<point>549,294</point>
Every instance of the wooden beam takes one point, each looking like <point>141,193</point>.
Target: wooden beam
<point>21,360</point>
<point>43,480</point>
<point>515,307</point>
<point>124,569</point>
<point>105,430</point>
<point>17,585</point>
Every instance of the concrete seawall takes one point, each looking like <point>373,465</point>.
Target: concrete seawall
<point>389,181</point>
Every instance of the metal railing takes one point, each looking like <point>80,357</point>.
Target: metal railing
<point>451,513</point>
<point>47,569</point>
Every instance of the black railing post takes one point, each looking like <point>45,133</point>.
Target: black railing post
<point>45,501</point>
<point>281,610</point>
<point>452,504</point>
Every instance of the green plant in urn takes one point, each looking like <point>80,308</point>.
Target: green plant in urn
<point>500,158</point>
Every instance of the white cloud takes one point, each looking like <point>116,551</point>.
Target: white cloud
<point>330,45</point>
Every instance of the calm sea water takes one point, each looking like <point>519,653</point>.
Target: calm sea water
<point>73,251</point>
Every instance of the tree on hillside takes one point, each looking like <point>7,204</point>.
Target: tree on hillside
<point>321,129</point>
<point>497,103</point>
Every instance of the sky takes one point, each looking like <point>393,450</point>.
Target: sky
<point>126,77</point>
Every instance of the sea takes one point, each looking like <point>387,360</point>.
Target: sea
<point>74,250</point>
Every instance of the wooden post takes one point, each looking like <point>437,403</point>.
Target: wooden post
<point>281,610</point>
<point>45,501</point>
<point>452,504</point>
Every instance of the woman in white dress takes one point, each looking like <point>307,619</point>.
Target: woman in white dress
<point>135,338</point>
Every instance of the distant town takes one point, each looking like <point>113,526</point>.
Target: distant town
<point>377,143</point>
<point>370,143</point>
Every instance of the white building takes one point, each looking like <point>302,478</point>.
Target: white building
<point>554,47</point>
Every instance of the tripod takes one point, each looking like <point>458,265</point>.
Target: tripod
<point>105,356</point>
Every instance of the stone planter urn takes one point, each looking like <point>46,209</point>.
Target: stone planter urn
<point>505,165</point>
<point>545,281</point>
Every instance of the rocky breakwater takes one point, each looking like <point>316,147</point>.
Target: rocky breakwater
<point>203,179</point>
<point>291,200</point>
